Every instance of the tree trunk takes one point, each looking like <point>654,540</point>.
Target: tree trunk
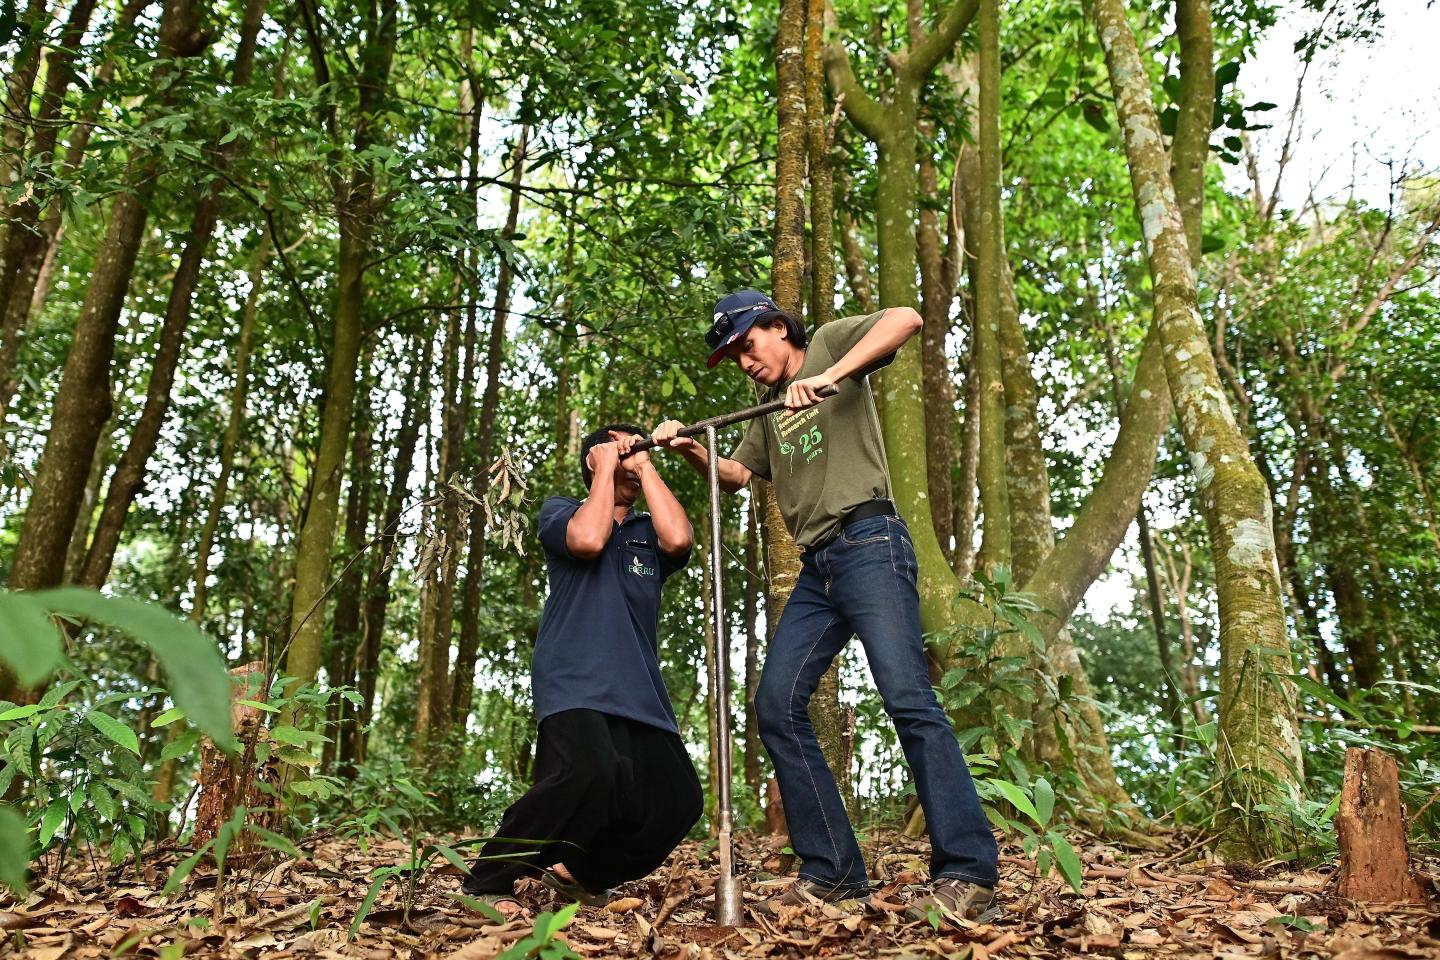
<point>349,593</point>
<point>37,268</point>
<point>436,710</point>
<point>988,268</point>
<point>891,125</point>
<point>967,467</point>
<point>19,89</point>
<point>129,475</point>
<point>83,403</point>
<point>25,240</point>
<point>1260,759</point>
<point>1169,692</point>
<point>856,274</point>
<point>235,420</point>
<point>377,587</point>
<point>437,592</point>
<point>80,539</point>
<point>751,614</point>
<point>822,179</point>
<point>937,294</point>
<point>788,271</point>
<point>463,691</point>
<point>354,206</point>
<point>803,140</point>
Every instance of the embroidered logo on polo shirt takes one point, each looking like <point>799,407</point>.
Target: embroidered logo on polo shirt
<point>640,569</point>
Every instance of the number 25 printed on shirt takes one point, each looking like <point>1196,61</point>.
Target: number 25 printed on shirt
<point>798,431</point>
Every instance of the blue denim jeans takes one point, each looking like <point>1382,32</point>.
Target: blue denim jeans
<point>863,583</point>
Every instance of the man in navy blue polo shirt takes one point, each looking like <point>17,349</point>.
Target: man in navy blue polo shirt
<point>614,789</point>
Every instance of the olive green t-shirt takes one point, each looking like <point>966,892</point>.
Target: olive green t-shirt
<point>830,458</point>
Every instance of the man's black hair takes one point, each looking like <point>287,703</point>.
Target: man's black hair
<point>602,435</point>
<point>794,329</point>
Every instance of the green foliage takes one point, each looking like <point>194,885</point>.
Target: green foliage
<point>195,670</point>
<point>80,787</point>
<point>14,849</point>
<point>990,694</point>
<point>541,944</point>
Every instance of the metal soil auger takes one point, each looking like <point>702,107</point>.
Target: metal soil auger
<point>727,887</point>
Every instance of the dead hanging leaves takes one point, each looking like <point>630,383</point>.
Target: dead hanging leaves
<point>1132,908</point>
<point>505,507</point>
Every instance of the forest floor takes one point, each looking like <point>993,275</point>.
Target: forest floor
<point>1132,906</point>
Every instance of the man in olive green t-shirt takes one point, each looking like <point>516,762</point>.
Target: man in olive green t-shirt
<point>826,462</point>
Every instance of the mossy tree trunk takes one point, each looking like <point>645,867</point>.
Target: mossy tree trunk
<point>891,124</point>
<point>802,145</point>
<point>129,476</point>
<point>83,402</point>
<point>1259,748</point>
<point>355,207</point>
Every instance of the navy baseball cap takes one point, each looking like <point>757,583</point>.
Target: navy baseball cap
<point>734,315</point>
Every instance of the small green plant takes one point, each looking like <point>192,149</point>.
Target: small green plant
<point>218,850</point>
<point>89,784</point>
<point>992,690</point>
<point>404,820</point>
<point>542,942</point>
<point>1038,838</point>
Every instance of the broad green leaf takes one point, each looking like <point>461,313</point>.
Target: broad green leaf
<point>198,680</point>
<point>1017,798</point>
<point>20,713</point>
<point>183,868</point>
<point>14,849</point>
<point>104,801</point>
<point>457,861</point>
<point>59,692</point>
<point>285,733</point>
<point>381,875</point>
<point>29,641</point>
<point>52,818</point>
<point>115,730</point>
<point>1323,693</point>
<point>274,840</point>
<point>168,717</point>
<point>1044,801</point>
<point>1066,859</point>
<point>180,746</point>
<point>480,907</point>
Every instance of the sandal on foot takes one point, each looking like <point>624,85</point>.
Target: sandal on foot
<point>494,901</point>
<point>570,890</point>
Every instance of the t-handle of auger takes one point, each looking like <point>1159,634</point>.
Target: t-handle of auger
<point>730,419</point>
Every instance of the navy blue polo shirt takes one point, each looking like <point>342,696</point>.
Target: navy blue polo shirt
<point>597,646</point>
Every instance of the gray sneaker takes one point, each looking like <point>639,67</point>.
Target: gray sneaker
<point>949,897</point>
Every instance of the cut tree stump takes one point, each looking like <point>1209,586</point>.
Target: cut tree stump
<point>226,782</point>
<point>1370,826</point>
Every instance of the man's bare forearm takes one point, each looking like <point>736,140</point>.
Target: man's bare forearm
<point>672,527</point>
<point>895,326</point>
<point>733,473</point>
<point>590,526</point>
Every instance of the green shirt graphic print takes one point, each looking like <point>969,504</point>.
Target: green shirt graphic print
<point>829,459</point>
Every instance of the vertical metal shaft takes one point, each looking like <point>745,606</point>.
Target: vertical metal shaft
<point>727,886</point>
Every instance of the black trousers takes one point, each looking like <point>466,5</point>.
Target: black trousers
<point>612,797</point>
